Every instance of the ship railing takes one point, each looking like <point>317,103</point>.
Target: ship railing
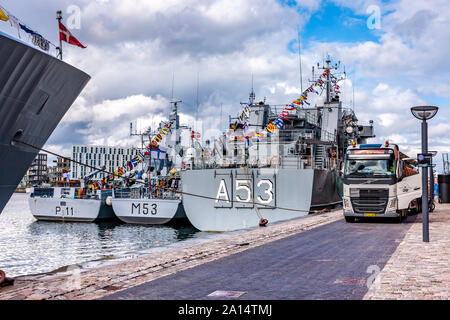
<point>42,193</point>
<point>155,192</point>
<point>310,118</point>
<point>90,196</point>
<point>301,113</point>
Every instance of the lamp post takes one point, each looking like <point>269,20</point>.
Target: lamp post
<point>424,113</point>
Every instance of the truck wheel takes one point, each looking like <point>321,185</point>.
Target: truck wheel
<point>350,219</point>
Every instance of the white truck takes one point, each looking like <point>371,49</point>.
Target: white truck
<point>379,181</point>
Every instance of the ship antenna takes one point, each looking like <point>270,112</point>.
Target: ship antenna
<point>221,105</point>
<point>198,84</point>
<point>59,49</point>
<point>252,96</point>
<point>300,58</point>
<point>328,78</point>
<point>173,80</point>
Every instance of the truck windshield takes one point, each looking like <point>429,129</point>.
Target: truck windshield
<point>369,167</point>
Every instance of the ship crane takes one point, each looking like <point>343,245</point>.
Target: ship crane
<point>87,178</point>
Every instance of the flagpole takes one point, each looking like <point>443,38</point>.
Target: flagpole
<point>59,18</point>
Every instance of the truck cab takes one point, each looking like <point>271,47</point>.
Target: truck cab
<point>379,181</point>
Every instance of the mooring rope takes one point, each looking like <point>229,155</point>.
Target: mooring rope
<point>166,188</point>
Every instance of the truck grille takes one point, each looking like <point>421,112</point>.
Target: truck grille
<point>370,200</point>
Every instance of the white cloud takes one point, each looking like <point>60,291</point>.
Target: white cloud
<point>134,48</point>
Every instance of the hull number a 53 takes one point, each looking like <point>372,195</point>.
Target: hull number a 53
<point>245,191</point>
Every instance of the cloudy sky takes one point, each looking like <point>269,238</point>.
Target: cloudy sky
<point>135,47</point>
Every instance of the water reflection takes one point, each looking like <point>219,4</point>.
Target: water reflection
<point>28,246</point>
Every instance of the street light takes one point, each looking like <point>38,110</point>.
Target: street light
<point>424,113</point>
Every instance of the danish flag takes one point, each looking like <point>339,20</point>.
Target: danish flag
<point>66,36</point>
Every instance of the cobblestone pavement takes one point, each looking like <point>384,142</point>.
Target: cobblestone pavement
<point>99,282</point>
<point>335,261</point>
<point>419,270</point>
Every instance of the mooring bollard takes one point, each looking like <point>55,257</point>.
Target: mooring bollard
<point>4,281</point>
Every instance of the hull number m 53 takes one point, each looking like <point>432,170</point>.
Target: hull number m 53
<point>144,208</point>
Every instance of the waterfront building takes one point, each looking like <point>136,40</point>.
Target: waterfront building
<point>55,173</point>
<point>38,171</point>
<point>98,156</point>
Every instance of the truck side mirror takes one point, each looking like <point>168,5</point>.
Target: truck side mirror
<point>400,170</point>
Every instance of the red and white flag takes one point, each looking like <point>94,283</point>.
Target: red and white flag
<point>66,36</point>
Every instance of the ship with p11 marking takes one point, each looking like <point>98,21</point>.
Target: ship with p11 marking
<point>295,170</point>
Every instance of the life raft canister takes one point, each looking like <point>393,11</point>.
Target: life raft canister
<point>275,160</point>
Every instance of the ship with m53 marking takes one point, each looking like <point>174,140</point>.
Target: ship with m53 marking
<point>295,170</point>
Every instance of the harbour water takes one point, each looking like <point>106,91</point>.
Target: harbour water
<point>28,246</point>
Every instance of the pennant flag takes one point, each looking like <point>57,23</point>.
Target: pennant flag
<point>248,142</point>
<point>66,36</point>
<point>14,23</point>
<point>28,30</point>
<point>158,151</point>
<point>3,16</point>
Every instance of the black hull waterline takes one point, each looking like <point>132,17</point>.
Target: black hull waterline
<point>36,90</point>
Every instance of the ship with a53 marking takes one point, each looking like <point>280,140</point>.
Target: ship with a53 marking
<point>284,176</point>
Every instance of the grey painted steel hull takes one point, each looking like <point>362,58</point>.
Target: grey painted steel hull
<point>70,210</point>
<point>147,211</point>
<point>327,189</point>
<point>36,90</point>
<point>285,188</point>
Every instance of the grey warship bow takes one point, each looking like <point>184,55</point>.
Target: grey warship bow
<point>293,171</point>
<point>36,90</point>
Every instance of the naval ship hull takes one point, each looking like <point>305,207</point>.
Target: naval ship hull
<point>70,210</point>
<point>36,90</point>
<point>234,197</point>
<point>148,211</point>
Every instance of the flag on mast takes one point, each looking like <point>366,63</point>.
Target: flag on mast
<point>3,16</point>
<point>66,36</point>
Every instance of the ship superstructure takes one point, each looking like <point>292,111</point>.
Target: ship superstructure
<point>278,177</point>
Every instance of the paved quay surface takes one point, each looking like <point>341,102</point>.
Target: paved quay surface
<point>330,262</point>
<point>102,281</point>
<point>419,270</point>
